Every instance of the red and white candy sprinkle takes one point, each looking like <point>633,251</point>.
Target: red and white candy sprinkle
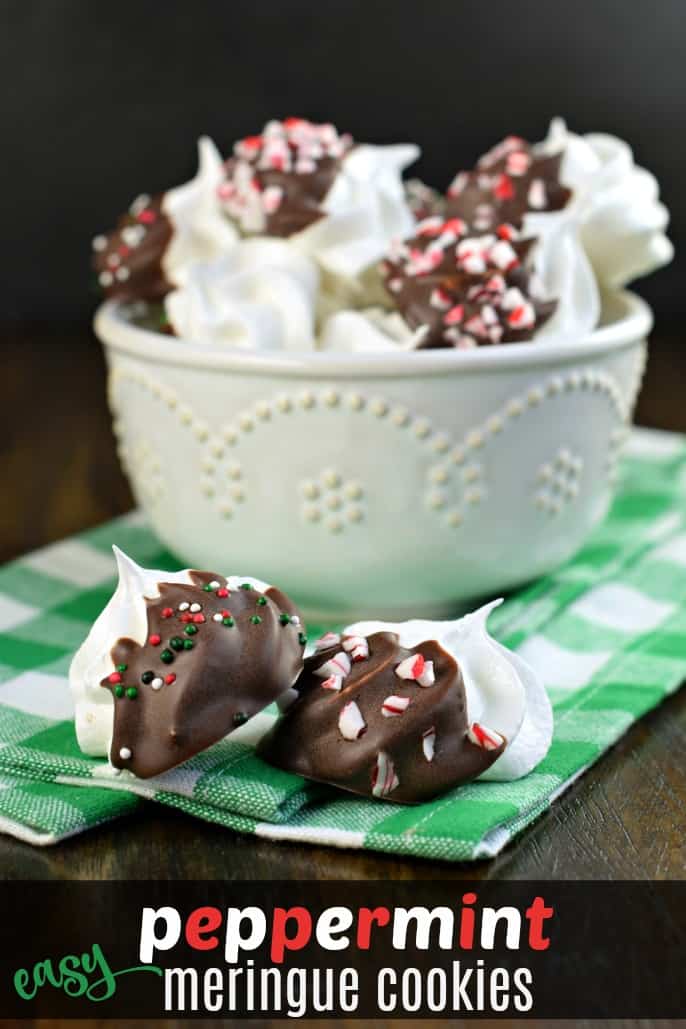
<point>518,162</point>
<point>503,255</point>
<point>334,682</point>
<point>429,743</point>
<point>501,150</point>
<point>271,198</point>
<point>351,724</point>
<point>394,705</point>
<point>440,299</point>
<point>384,779</point>
<point>329,639</point>
<point>488,739</point>
<point>458,184</point>
<point>339,664</point>
<point>537,198</point>
<point>454,316</point>
<point>357,647</point>
<point>522,317</point>
<point>417,669</point>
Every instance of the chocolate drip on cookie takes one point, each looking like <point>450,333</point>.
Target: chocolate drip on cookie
<point>213,658</point>
<point>382,721</point>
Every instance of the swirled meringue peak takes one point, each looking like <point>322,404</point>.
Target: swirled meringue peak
<point>159,239</point>
<point>261,296</point>
<point>340,202</point>
<point>176,661</point>
<point>622,220</point>
<point>406,711</point>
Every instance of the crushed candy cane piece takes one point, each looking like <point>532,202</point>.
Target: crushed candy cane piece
<point>329,639</point>
<point>350,642</point>
<point>518,162</point>
<point>411,668</point>
<point>488,739</point>
<point>384,779</point>
<point>351,724</point>
<point>339,664</point>
<point>271,199</point>
<point>394,705</point>
<point>429,743</point>
<point>522,317</point>
<point>334,682</point>
<point>537,198</point>
<point>503,255</point>
<point>428,676</point>
<point>439,298</point>
<point>454,316</point>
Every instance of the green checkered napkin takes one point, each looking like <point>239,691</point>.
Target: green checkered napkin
<point>607,632</point>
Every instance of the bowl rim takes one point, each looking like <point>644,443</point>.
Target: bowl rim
<point>115,330</point>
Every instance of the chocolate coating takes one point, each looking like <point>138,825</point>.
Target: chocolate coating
<point>510,180</point>
<point>424,201</point>
<point>307,740</point>
<point>224,673</point>
<point>302,195</point>
<point>128,260</point>
<point>277,181</point>
<point>467,291</point>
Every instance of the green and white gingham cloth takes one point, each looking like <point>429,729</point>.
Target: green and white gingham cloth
<point>607,631</point>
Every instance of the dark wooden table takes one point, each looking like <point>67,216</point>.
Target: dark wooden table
<point>625,819</point>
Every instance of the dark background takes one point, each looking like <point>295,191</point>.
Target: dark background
<point>102,100</point>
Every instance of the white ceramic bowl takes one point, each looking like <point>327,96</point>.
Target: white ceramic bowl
<point>376,485</point>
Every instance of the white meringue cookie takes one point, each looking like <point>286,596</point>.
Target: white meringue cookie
<point>260,296</point>
<point>202,231</point>
<point>617,204</point>
<point>503,691</point>
<point>125,616</point>
<point>365,210</point>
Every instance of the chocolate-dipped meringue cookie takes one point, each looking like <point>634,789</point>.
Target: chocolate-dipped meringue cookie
<point>466,290</point>
<point>176,661</point>
<point>404,712</point>
<point>159,238</point>
<point>276,181</point>
<point>338,201</point>
<point>510,180</point>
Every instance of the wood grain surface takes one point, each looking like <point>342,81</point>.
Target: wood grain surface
<point>624,819</point>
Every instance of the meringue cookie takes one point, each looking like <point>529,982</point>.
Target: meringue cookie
<point>261,296</point>
<point>503,691</point>
<point>616,202</point>
<point>148,702</point>
<point>339,202</point>
<point>522,187</point>
<point>404,712</point>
